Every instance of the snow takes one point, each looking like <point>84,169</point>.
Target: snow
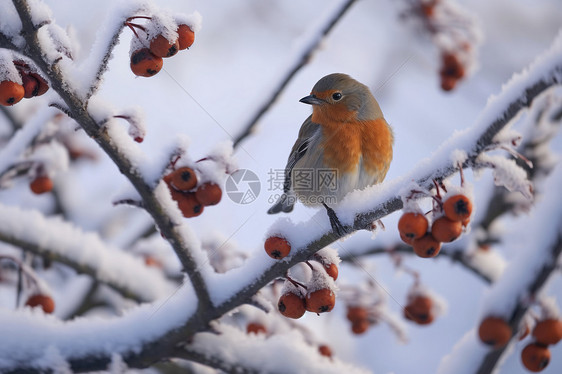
<point>86,249</point>
<point>255,351</point>
<point>8,71</point>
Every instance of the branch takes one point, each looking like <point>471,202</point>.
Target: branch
<point>456,254</point>
<point>300,59</point>
<point>170,228</point>
<point>84,252</point>
<point>512,295</point>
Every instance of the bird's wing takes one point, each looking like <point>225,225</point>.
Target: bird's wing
<point>286,202</point>
<point>307,131</point>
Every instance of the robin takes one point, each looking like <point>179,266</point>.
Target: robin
<point>346,144</point>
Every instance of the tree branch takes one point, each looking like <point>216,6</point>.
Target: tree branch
<point>100,134</point>
<point>303,57</point>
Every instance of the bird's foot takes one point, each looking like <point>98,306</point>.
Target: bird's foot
<point>337,226</point>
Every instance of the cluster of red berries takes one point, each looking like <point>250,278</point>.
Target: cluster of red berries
<point>359,317</point>
<point>317,296</point>
<point>496,332</point>
<point>146,60</point>
<point>191,196</point>
<point>33,84</point>
<point>449,219</point>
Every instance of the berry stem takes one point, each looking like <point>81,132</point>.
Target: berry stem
<point>294,282</point>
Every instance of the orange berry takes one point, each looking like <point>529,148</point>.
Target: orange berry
<point>320,301</point>
<point>291,305</point>
<point>30,86</point>
<point>46,303</point>
<point>448,83</point>
<point>548,331</point>
<point>360,326</point>
<point>419,311</point>
<point>405,239</point>
<point>10,93</point>
<point>277,247</point>
<point>209,193</point>
<point>325,350</point>
<point>451,67</point>
<point>356,313</point>
<point>43,85</point>
<point>162,47</point>
<point>186,36</point>
<point>145,64</point>
<point>152,262</point>
<point>426,246</point>
<point>183,179</point>
<point>524,332</point>
<point>445,230</point>
<point>535,357</point>
<point>494,331</point>
<point>256,328</point>
<point>41,184</point>
<point>412,225</point>
<point>458,208</point>
<point>332,270</point>
<point>188,204</point>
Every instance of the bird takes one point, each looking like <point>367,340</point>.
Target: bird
<point>345,144</point>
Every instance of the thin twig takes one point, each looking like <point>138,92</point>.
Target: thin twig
<point>305,57</point>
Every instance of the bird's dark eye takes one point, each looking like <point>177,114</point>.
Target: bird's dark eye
<point>337,96</point>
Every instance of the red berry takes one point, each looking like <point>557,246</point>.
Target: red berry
<point>332,270</point>
<point>356,313</point>
<point>186,36</point>
<point>144,63</point>
<point>10,93</point>
<point>320,301</point>
<point>45,301</point>
<point>494,331</point>
<point>360,326</point>
<point>291,305</point>
<point>325,350</point>
<point>419,310</point>
<point>41,184</point>
<point>548,331</point>
<point>277,247</point>
<point>256,328</point>
<point>183,179</point>
<point>412,225</point>
<point>535,357</point>
<point>209,194</point>
<point>444,230</point>
<point>30,86</point>
<point>426,246</point>
<point>162,47</point>
<point>458,207</point>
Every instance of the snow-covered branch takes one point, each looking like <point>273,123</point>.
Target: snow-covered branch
<point>296,61</point>
<point>121,151</point>
<point>84,252</point>
<point>254,353</point>
<point>521,283</point>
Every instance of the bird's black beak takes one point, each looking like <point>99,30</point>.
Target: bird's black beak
<point>312,100</point>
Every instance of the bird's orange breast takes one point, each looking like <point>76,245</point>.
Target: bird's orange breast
<point>345,143</point>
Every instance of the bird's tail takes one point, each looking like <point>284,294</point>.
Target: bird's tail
<point>285,203</point>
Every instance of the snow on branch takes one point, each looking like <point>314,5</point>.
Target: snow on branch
<point>123,152</point>
<point>234,351</point>
<point>85,252</point>
<point>512,295</point>
<point>302,55</point>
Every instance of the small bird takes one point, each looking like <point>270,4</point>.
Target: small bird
<point>346,144</point>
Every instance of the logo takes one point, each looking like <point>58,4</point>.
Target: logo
<point>243,186</point>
